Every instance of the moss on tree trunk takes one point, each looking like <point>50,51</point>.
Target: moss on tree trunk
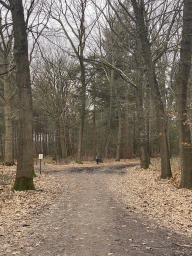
<point>23,183</point>
<point>34,174</point>
<point>9,163</point>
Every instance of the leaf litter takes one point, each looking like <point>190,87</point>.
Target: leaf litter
<point>140,190</point>
<point>159,199</point>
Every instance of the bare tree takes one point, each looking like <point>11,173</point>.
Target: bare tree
<point>52,94</point>
<point>142,29</point>
<point>70,15</point>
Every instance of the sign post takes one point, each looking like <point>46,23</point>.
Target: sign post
<point>40,158</point>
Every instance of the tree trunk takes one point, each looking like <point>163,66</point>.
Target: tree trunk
<point>182,90</point>
<point>62,138</point>
<point>8,123</point>
<point>161,117</point>
<point>111,84</point>
<point>119,124</point>
<point>82,113</point>
<point>8,136</point>
<point>25,165</point>
<point>127,134</point>
<point>134,134</point>
<point>5,55</point>
<point>149,125</point>
<point>147,122</point>
<point>118,136</point>
<point>94,131</point>
<point>15,141</point>
<point>144,149</point>
<point>55,146</point>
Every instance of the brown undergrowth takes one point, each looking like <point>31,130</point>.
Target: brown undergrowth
<point>139,189</point>
<point>161,200</point>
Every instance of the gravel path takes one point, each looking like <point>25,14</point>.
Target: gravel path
<point>85,220</point>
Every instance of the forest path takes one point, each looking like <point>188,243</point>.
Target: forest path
<point>85,220</point>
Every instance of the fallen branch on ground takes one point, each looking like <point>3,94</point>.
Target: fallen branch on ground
<point>183,245</point>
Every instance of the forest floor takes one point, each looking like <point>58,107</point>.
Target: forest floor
<point>114,208</point>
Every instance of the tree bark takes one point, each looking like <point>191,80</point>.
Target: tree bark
<point>8,124</point>
<point>182,90</point>
<point>111,84</point>
<point>82,113</point>
<point>119,136</point>
<point>62,138</point>
<point>161,117</point>
<point>144,149</point>
<point>142,122</point>
<point>5,55</point>
<point>94,127</point>
<point>147,114</point>
<point>25,165</point>
<point>119,125</point>
<point>127,133</point>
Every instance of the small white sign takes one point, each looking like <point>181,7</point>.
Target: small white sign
<point>40,156</point>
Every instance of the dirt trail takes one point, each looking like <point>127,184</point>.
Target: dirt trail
<point>85,220</point>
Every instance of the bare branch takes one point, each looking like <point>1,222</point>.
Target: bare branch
<point>164,46</point>
<point>29,11</point>
<point>4,73</point>
<point>119,71</point>
<point>5,5</point>
<point>123,6</point>
<point>67,35</point>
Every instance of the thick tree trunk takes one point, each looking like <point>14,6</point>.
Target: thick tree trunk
<point>25,166</point>
<point>144,149</point>
<point>182,90</point>
<point>161,117</point>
